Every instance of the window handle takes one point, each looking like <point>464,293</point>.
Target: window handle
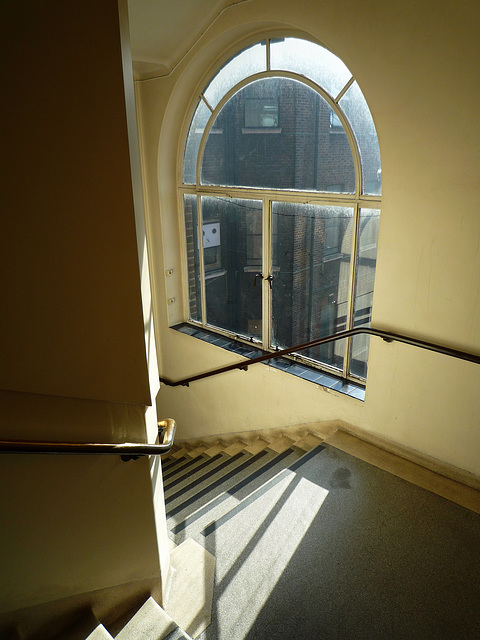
<point>257,275</point>
<point>270,280</point>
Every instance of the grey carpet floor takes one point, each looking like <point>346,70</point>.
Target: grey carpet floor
<point>336,549</point>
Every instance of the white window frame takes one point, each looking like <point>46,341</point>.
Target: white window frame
<point>356,200</point>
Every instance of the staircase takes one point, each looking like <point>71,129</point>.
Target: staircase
<point>287,535</point>
<point>207,482</point>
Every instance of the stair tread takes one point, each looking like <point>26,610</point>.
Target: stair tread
<point>203,512</point>
<point>99,633</point>
<point>214,449</point>
<point>178,634</point>
<point>256,445</point>
<point>234,448</point>
<point>188,470</point>
<point>169,464</point>
<point>180,453</point>
<point>205,508</point>
<point>193,453</point>
<point>198,488</point>
<point>309,441</point>
<point>190,594</point>
<point>281,444</point>
<point>264,488</point>
<point>198,477</point>
<point>150,622</point>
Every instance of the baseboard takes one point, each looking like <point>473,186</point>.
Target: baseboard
<point>439,478</point>
<point>322,429</point>
<point>428,462</point>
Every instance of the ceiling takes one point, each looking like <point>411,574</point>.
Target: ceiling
<point>163,31</point>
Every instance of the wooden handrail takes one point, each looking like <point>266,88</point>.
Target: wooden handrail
<point>127,450</point>
<point>385,335</point>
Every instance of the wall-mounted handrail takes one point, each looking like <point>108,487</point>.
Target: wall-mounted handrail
<point>385,335</point>
<point>127,450</point>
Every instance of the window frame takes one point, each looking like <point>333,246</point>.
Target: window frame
<point>357,200</point>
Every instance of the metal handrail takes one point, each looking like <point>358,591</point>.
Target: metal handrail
<point>127,450</point>
<point>385,335</point>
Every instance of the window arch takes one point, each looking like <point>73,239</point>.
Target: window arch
<point>281,188</point>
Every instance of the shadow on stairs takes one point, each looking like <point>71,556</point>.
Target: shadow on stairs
<point>311,541</point>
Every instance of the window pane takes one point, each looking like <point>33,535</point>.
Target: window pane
<point>197,127</point>
<point>364,280</point>
<point>311,265</point>
<point>293,141</point>
<point>232,231</point>
<point>249,61</point>
<point>193,263</point>
<point>310,60</point>
<point>356,109</point>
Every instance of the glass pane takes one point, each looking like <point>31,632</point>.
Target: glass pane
<point>364,280</point>
<point>278,133</point>
<point>356,109</point>
<point>311,264</point>
<point>193,260</point>
<point>246,63</point>
<point>197,127</point>
<point>310,60</point>
<point>232,232</point>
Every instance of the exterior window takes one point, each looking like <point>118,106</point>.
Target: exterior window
<point>281,230</point>
<point>261,112</point>
<point>335,124</point>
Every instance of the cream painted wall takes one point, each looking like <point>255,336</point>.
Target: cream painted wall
<point>417,64</point>
<point>78,349</point>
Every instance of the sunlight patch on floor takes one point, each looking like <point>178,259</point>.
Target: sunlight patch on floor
<point>279,519</point>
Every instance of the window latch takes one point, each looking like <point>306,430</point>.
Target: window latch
<point>257,275</point>
<point>270,280</point>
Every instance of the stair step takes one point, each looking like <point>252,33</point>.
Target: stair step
<point>265,466</point>
<point>180,453</point>
<point>193,453</point>
<point>99,633</point>
<point>264,488</point>
<point>169,463</point>
<point>214,449</point>
<point>281,444</point>
<point>254,545</point>
<point>150,622</point>
<point>234,448</point>
<point>218,498</point>
<point>199,486</point>
<point>256,446</point>
<point>308,442</point>
<point>190,594</point>
<point>179,487</point>
<point>178,634</point>
<point>192,468</point>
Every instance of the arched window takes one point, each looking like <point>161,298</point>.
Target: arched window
<point>281,192</point>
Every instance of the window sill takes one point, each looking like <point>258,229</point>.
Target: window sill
<point>261,130</point>
<point>309,374</point>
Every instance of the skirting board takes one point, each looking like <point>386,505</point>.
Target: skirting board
<point>445,480</point>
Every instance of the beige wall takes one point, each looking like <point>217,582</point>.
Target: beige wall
<point>417,64</point>
<point>78,359</point>
<point>72,322</point>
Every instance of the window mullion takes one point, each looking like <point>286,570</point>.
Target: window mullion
<point>201,260</point>
<point>351,291</point>
<point>266,271</point>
